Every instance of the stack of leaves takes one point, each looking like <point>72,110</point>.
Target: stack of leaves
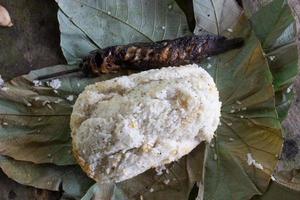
<point>254,84</point>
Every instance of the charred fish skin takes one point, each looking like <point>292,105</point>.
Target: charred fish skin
<point>144,56</point>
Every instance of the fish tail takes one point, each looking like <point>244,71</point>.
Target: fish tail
<point>222,44</point>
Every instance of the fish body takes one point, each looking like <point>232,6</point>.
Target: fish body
<point>144,56</point>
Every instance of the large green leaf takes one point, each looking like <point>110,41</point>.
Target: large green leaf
<point>243,133</point>
<point>241,162</point>
<point>33,125</point>
<point>282,56</point>
<point>251,7</point>
<point>276,17</point>
<point>90,24</point>
<point>278,36</point>
<point>215,16</point>
<point>249,125</point>
<point>279,44</point>
<point>74,42</point>
<point>108,191</point>
<point>68,179</point>
<point>35,119</point>
<point>284,69</point>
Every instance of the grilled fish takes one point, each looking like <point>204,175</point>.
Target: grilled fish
<point>144,56</point>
